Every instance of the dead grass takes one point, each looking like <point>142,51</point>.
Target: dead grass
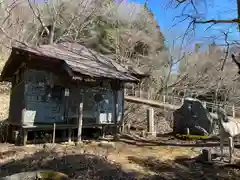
<point>120,155</point>
<point>162,153</point>
<point>123,161</point>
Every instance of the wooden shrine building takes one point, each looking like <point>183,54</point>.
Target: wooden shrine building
<point>66,86</point>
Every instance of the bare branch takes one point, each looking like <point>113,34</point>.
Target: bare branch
<point>6,34</point>
<point>38,16</point>
<point>229,21</point>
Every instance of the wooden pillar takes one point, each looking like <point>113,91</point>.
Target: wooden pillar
<point>125,92</point>
<point>133,91</point>
<point>164,99</point>
<point>103,131</point>
<point>233,111</point>
<point>24,136</point>
<point>204,104</point>
<point>66,97</point>
<point>116,85</point>
<point>66,94</point>
<point>140,93</point>
<point>123,127</point>
<point>8,131</point>
<point>69,135</point>
<point>139,90</point>
<point>184,93</point>
<point>15,137</point>
<point>182,101</point>
<point>80,121</point>
<point>23,115</point>
<point>122,117</point>
<point>54,133</point>
<point>115,95</point>
<point>150,121</point>
<point>128,127</point>
<point>149,94</point>
<point>63,135</point>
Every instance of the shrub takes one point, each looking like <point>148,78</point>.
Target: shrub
<point>191,137</point>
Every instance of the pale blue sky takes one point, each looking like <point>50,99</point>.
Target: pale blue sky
<point>215,9</point>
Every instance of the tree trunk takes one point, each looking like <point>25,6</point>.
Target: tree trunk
<point>238,9</point>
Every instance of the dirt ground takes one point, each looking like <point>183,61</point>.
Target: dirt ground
<point>125,159</point>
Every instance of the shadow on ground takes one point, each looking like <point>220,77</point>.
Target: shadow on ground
<point>77,166</point>
<point>167,141</point>
<point>170,140</point>
<point>185,168</point>
<point>88,166</point>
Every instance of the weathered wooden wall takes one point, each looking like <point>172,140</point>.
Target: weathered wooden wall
<point>16,103</point>
<point>41,108</point>
<point>102,113</point>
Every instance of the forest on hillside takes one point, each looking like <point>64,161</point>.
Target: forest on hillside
<point>126,32</point>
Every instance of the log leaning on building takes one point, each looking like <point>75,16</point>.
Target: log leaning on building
<point>156,104</point>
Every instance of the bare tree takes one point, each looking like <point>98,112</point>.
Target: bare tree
<point>127,32</point>
<point>192,10</point>
<point>207,70</point>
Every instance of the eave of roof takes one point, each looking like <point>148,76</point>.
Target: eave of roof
<point>78,58</point>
